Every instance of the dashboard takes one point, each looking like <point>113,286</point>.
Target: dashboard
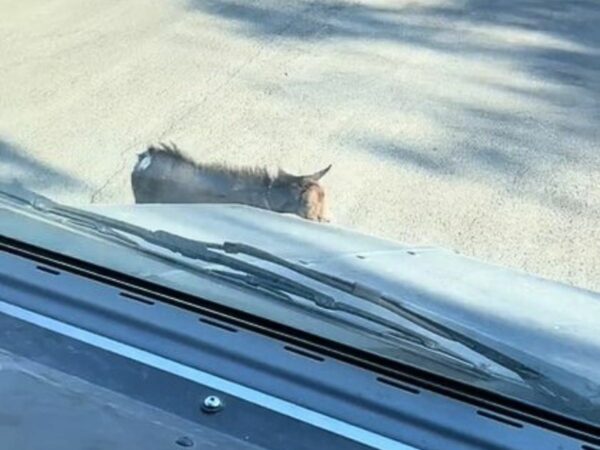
<point>86,363</point>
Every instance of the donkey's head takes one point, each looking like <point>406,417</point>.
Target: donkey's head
<point>299,194</point>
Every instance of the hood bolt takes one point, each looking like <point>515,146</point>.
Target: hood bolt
<point>212,404</point>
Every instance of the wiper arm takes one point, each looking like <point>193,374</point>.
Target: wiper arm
<point>258,276</point>
<point>393,335</point>
<point>251,275</point>
<point>532,377</point>
<point>210,252</point>
<point>375,297</point>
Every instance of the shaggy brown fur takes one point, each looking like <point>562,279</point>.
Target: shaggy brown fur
<point>164,174</point>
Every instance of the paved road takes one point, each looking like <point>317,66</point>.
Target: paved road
<point>471,124</point>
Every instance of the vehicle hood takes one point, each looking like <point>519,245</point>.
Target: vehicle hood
<point>545,319</point>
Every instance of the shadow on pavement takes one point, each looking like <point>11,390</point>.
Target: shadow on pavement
<point>18,166</point>
<point>535,109</point>
<point>553,38</point>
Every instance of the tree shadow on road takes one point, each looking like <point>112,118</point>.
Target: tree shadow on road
<point>553,38</point>
<point>18,166</point>
<point>538,112</point>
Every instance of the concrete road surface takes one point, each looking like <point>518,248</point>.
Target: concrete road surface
<point>471,124</point>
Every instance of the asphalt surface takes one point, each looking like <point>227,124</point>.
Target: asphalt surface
<point>470,124</point>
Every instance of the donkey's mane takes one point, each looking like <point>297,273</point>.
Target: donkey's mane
<point>243,173</point>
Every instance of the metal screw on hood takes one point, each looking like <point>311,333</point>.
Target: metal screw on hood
<point>212,404</point>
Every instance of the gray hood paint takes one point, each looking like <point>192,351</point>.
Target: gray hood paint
<point>549,320</point>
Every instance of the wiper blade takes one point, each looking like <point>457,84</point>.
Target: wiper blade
<point>211,252</point>
<point>530,376</point>
<point>249,275</point>
<point>394,336</point>
<point>268,280</point>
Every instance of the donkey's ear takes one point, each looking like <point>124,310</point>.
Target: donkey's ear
<point>317,175</point>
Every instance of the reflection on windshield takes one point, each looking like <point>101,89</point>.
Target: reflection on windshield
<point>321,134</point>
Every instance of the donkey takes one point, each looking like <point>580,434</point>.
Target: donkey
<point>165,175</point>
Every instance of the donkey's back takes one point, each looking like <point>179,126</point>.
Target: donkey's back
<point>160,175</point>
<point>164,175</point>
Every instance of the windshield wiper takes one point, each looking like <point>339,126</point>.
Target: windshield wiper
<point>251,276</point>
<point>218,253</point>
<point>530,376</point>
<point>394,334</point>
<point>246,275</point>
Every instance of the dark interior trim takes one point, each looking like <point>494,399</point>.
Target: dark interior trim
<point>388,368</point>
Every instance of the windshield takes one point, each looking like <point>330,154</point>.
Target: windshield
<point>423,173</point>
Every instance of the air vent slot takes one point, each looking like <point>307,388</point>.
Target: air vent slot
<point>49,270</point>
<point>397,385</point>
<point>220,325</point>
<point>589,447</point>
<point>501,419</point>
<point>136,298</point>
<point>304,353</point>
